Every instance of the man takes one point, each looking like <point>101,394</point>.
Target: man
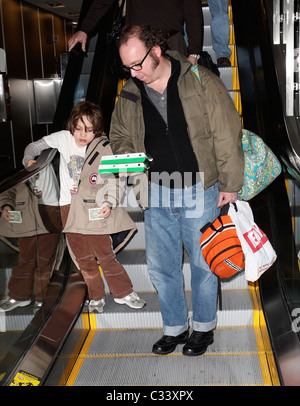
<point>193,133</point>
<point>167,15</point>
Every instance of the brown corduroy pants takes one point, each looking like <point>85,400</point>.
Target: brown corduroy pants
<point>91,251</point>
<point>36,258</point>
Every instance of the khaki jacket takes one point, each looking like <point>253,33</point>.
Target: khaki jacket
<point>20,198</point>
<point>214,127</point>
<point>95,189</point>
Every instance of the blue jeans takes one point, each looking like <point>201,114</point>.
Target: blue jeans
<point>220,27</point>
<point>174,219</point>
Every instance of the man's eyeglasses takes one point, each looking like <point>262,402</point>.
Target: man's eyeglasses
<point>137,66</point>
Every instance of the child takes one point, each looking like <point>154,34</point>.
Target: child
<point>89,205</point>
<point>37,226</point>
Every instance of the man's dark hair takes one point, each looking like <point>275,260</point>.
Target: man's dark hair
<point>148,35</point>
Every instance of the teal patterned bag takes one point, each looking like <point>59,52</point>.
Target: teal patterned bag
<point>261,166</point>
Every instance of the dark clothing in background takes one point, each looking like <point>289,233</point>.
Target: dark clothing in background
<point>169,15</point>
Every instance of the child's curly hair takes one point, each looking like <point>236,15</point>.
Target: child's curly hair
<point>148,35</point>
<point>93,113</point>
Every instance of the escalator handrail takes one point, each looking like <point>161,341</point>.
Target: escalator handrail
<point>23,174</point>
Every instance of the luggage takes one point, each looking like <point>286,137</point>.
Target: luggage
<point>261,166</point>
<point>221,246</point>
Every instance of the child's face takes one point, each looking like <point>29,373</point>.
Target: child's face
<point>83,132</point>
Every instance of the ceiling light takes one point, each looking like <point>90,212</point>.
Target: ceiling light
<point>55,5</point>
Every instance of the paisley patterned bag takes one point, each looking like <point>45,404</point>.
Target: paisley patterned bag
<point>261,166</point>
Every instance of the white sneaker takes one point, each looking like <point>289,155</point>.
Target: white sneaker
<point>11,304</point>
<point>4,299</point>
<point>36,307</point>
<point>96,306</point>
<point>132,301</point>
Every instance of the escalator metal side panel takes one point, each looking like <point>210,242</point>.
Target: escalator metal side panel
<point>10,363</point>
<point>41,356</point>
<point>275,299</point>
<point>262,113</point>
<point>291,122</point>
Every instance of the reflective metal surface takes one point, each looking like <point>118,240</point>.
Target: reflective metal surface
<point>32,248</point>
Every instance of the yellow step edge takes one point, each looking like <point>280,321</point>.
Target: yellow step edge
<point>173,355</point>
<point>238,102</point>
<point>68,370</point>
<point>231,35</point>
<point>266,357</point>
<point>80,359</point>
<point>72,359</point>
<point>233,57</point>
<point>235,78</point>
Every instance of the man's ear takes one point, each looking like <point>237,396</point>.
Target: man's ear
<point>156,50</point>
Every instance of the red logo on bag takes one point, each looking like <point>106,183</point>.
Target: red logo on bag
<point>255,238</point>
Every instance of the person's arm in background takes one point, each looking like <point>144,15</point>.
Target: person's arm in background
<point>94,15</point>
<point>193,18</point>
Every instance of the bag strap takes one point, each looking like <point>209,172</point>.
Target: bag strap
<point>118,22</point>
<point>223,212</point>
<point>224,209</point>
<point>195,69</point>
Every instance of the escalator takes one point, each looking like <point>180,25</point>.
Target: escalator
<point>255,344</point>
<point>121,339</point>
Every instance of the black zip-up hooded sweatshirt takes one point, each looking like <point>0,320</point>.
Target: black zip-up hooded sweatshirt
<point>168,144</point>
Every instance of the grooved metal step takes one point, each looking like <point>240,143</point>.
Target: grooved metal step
<point>126,358</point>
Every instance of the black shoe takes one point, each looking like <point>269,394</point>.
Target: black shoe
<point>223,61</point>
<point>198,343</point>
<point>167,344</point>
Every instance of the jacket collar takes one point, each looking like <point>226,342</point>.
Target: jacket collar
<point>184,62</point>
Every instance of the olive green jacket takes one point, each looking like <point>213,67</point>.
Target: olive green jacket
<point>214,127</point>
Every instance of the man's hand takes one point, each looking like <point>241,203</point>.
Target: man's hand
<point>193,60</point>
<point>226,197</point>
<point>79,36</point>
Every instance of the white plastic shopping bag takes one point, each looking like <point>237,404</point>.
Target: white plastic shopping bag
<point>259,253</point>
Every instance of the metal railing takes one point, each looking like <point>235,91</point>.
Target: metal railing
<point>286,21</point>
